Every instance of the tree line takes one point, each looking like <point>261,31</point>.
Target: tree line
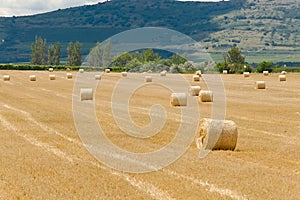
<point>41,55</point>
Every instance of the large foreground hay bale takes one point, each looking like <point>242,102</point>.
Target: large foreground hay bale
<point>260,85</point>
<point>148,78</point>
<point>178,99</point>
<point>266,73</point>
<point>52,77</point>
<point>194,90</point>
<point>246,74</point>
<point>86,94</point>
<point>282,77</point>
<point>225,72</point>
<point>124,74</point>
<point>32,78</point>
<point>217,134</point>
<point>206,96</point>
<point>6,78</point>
<point>107,70</point>
<point>98,77</point>
<point>69,76</point>
<point>196,78</point>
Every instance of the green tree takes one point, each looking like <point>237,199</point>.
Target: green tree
<point>234,56</point>
<point>264,66</point>
<point>39,51</point>
<point>122,59</point>
<point>74,54</point>
<point>95,55</point>
<point>70,54</point>
<point>106,55</point>
<point>54,54</point>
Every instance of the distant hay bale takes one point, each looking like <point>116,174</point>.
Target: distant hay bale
<point>107,70</point>
<point>97,77</point>
<point>32,78</point>
<point>246,74</point>
<point>196,78</point>
<point>178,99</point>
<point>6,78</point>
<point>51,69</point>
<point>198,73</point>
<point>86,94</point>
<point>52,77</point>
<point>148,78</point>
<point>266,73</point>
<point>81,70</point>
<point>124,74</point>
<point>149,71</point>
<point>283,72</point>
<point>260,85</point>
<point>69,76</point>
<point>206,96</point>
<point>68,70</point>
<point>225,72</point>
<point>163,73</point>
<point>217,135</point>
<point>282,77</point>
<point>194,90</point>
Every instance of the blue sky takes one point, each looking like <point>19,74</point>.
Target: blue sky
<point>29,7</point>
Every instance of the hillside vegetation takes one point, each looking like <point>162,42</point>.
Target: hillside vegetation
<point>263,29</point>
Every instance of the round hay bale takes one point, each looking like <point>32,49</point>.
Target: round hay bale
<point>282,77</point>
<point>260,85</point>
<point>98,77</point>
<point>196,78</point>
<point>149,71</point>
<point>124,74</point>
<point>86,94</point>
<point>206,96</point>
<point>194,90</point>
<point>225,72</point>
<point>69,76</point>
<point>246,74</point>
<point>163,73</point>
<point>6,78</point>
<point>283,72</point>
<point>32,78</point>
<point>81,70</point>
<point>217,135</point>
<point>51,69</point>
<point>107,70</point>
<point>178,99</point>
<point>198,73</point>
<point>68,70</point>
<point>266,73</point>
<point>148,78</point>
<point>52,77</point>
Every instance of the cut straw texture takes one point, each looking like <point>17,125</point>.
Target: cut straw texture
<point>217,135</point>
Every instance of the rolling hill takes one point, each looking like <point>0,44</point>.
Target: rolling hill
<point>263,29</point>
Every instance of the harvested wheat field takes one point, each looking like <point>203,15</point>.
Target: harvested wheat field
<point>42,156</point>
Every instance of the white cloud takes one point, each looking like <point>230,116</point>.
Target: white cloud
<point>29,7</point>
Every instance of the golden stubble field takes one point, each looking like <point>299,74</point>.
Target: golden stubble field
<point>42,156</point>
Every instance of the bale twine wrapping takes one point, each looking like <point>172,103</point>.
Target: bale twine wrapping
<point>246,74</point>
<point>81,70</point>
<point>260,85</point>
<point>178,99</point>
<point>6,78</point>
<point>196,78</point>
<point>194,90</point>
<point>282,77</point>
<point>86,94</point>
<point>69,76</point>
<point>52,77</point>
<point>98,77</point>
<point>124,74</point>
<point>32,78</point>
<point>283,72</point>
<point>148,78</point>
<point>51,69</point>
<point>163,73</point>
<point>206,96</point>
<point>265,73</point>
<point>225,72</point>
<point>107,70</point>
<point>217,135</point>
